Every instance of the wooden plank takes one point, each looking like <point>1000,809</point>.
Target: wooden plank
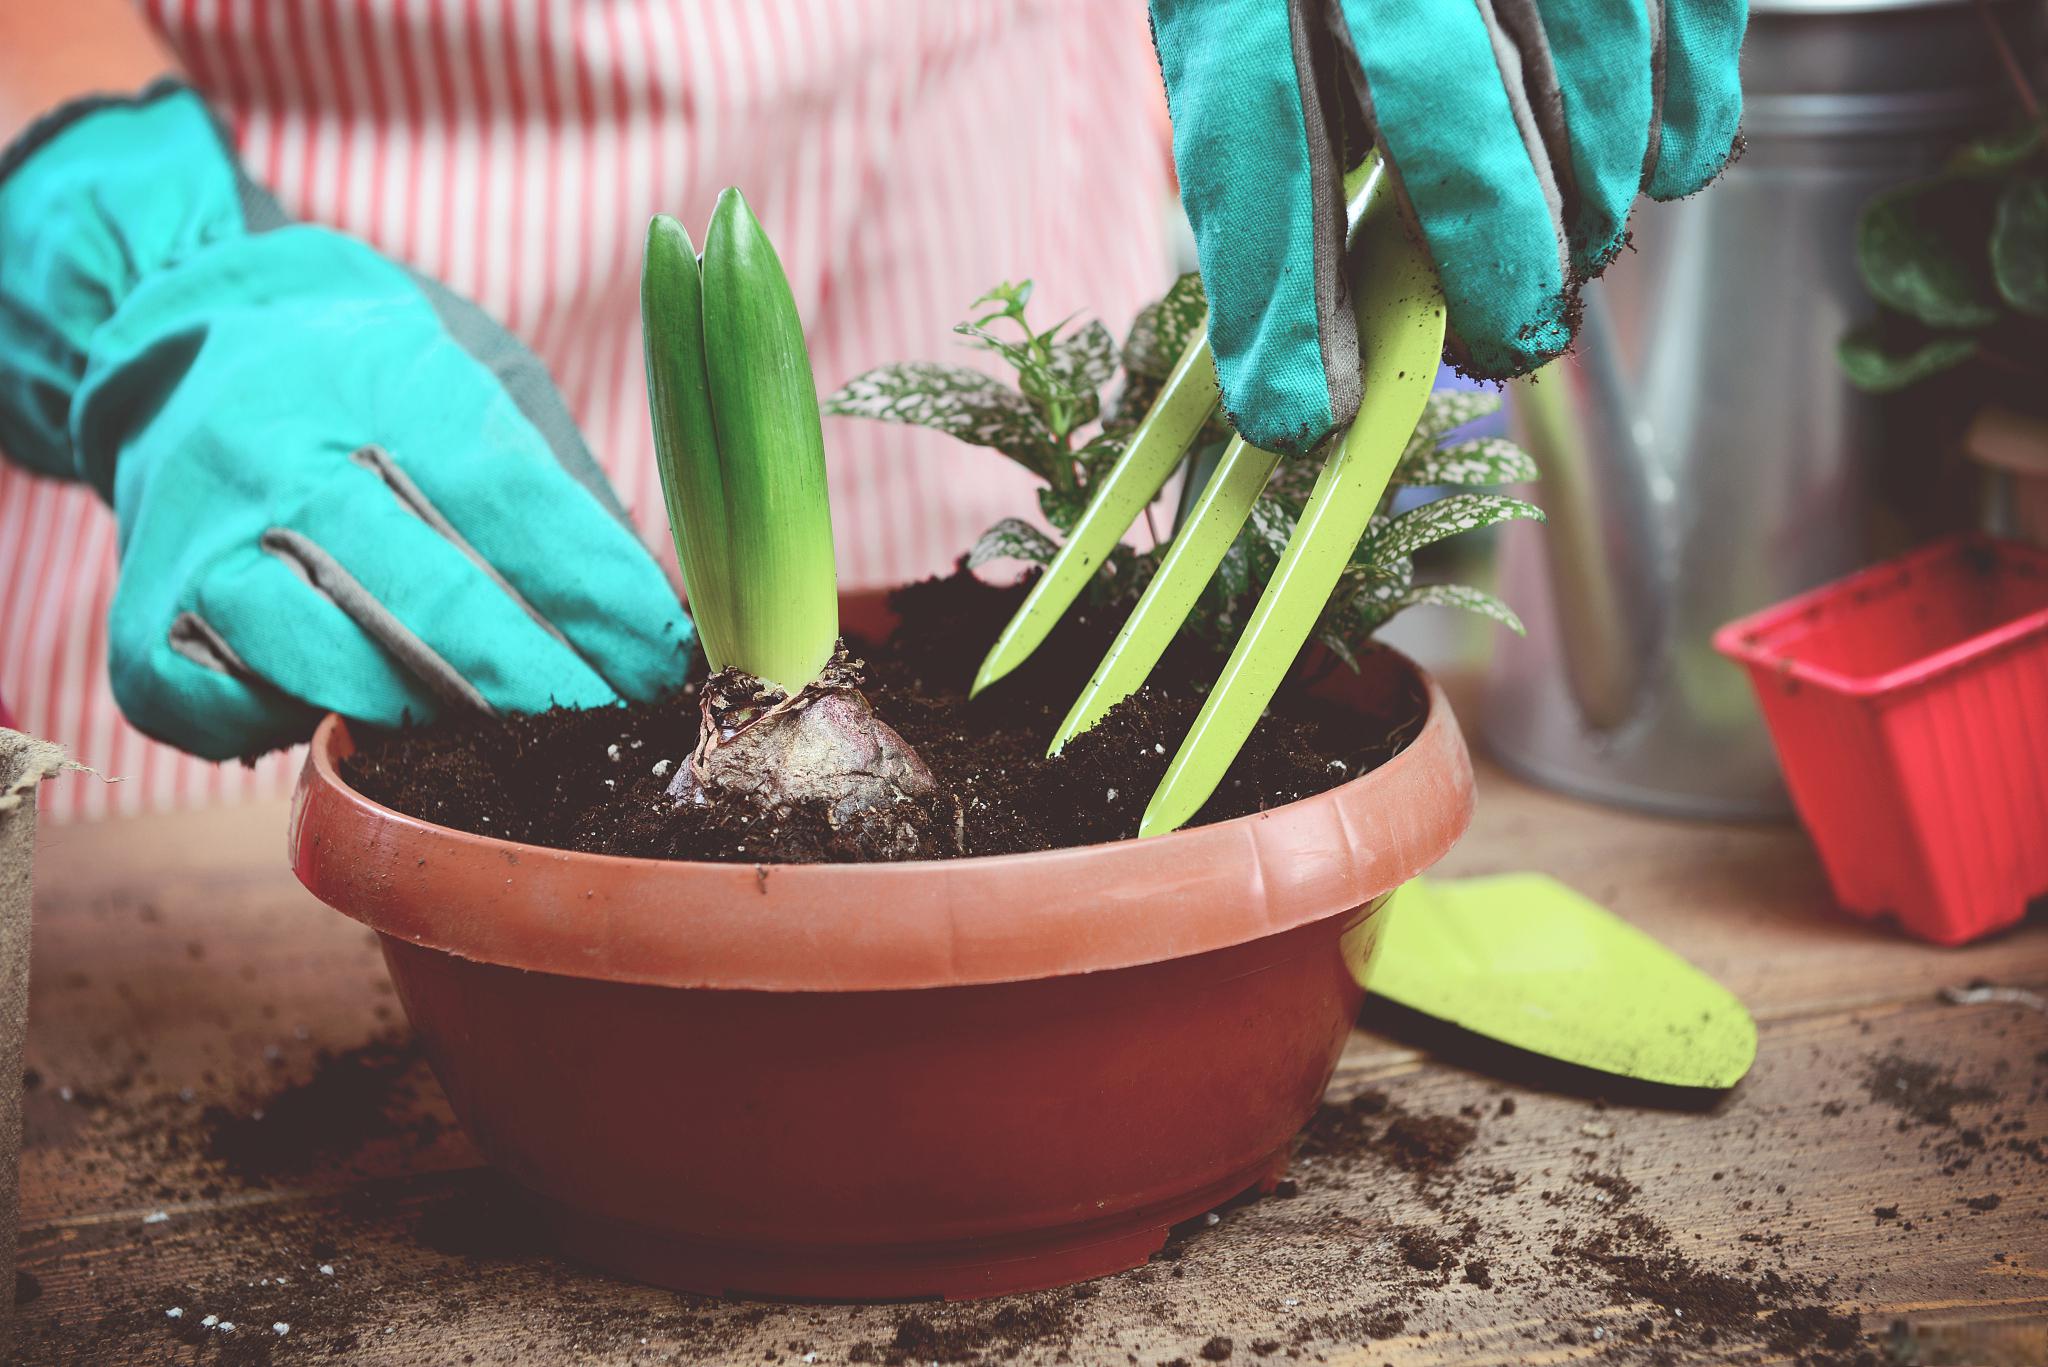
<point>1787,1173</point>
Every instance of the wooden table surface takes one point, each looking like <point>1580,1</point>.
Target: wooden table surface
<point>227,1117</point>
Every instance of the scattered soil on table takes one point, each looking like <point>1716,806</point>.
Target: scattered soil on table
<point>1925,1092</point>
<point>595,780</point>
<point>975,1332</point>
<point>1617,1280</point>
<point>344,1105</point>
<point>1400,1218</point>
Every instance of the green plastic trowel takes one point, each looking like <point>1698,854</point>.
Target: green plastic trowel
<point>1522,959</point>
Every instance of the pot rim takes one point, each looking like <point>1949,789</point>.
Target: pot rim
<point>875,927</point>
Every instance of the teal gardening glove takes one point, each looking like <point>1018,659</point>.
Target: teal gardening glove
<point>338,486</point>
<point>1520,132</point>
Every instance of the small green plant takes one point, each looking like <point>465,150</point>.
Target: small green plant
<point>1040,424</point>
<point>742,460</point>
<point>1958,264</point>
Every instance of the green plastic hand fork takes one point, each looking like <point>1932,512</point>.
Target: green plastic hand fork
<point>1400,311</point>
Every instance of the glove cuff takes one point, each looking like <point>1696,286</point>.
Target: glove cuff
<point>96,196</point>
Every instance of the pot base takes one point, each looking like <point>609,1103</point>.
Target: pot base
<point>968,1270</point>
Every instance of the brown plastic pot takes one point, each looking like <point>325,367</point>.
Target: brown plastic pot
<point>957,1078</point>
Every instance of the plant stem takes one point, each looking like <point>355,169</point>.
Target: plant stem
<point>2010,60</point>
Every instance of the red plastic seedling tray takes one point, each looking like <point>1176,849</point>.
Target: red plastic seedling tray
<point>1909,707</point>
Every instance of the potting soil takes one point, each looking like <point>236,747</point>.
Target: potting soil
<point>595,780</point>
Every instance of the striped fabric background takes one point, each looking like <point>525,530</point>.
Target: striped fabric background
<point>903,154</point>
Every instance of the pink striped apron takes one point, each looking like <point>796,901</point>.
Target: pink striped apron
<point>904,155</point>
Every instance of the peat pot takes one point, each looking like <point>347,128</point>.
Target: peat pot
<point>24,763</point>
<point>957,1078</point>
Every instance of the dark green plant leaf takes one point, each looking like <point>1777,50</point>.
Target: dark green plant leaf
<point>1462,596</point>
<point>952,399</point>
<point>1483,460</point>
<point>1339,645</point>
<point>1085,359</point>
<point>1234,578</point>
<point>1062,508</point>
<point>2019,245</point>
<point>1447,516</point>
<point>1266,534</point>
<point>1876,361</point>
<point>1017,354</point>
<point>1161,331</point>
<point>1080,364</point>
<point>1996,153</point>
<point>1361,602</point>
<point>1012,539</point>
<point>1922,250</point>
<point>1449,408</point>
<point>1103,450</point>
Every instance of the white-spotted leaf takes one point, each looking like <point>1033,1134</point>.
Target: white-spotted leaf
<point>1012,539</point>
<point>1483,460</point>
<point>1447,516</point>
<point>952,399</point>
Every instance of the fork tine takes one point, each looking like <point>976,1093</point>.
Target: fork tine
<point>1170,427</point>
<point>1400,309</point>
<point>1176,418</point>
<point>1198,547</point>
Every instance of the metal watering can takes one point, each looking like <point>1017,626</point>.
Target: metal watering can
<point>1702,455</point>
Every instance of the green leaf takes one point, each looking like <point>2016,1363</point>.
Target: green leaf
<point>781,587</point>
<point>1012,539</point>
<point>1449,408</point>
<point>1483,460</point>
<point>1078,365</point>
<point>1103,450</point>
<point>1996,153</point>
<point>2019,245</point>
<point>952,399</point>
<point>1162,330</point>
<point>1266,534</point>
<point>1062,507</point>
<point>1462,596</point>
<point>1018,355</point>
<point>1365,597</point>
<point>1876,361</point>
<point>1085,359</point>
<point>1338,643</point>
<point>1922,251</point>
<point>685,437</point>
<point>1447,516</point>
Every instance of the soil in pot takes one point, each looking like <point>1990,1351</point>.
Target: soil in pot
<point>596,780</point>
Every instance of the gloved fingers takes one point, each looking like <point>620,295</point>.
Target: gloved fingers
<point>276,626</point>
<point>1587,68</point>
<point>182,684</point>
<point>577,570</point>
<point>1699,92</point>
<point>1258,141</point>
<point>1455,116</point>
<point>426,603</point>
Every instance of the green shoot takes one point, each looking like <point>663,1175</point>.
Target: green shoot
<point>741,451</point>
<point>679,400</point>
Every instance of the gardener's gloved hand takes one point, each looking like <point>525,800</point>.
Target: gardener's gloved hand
<point>1520,131</point>
<point>338,485</point>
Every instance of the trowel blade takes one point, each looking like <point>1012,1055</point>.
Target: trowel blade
<point>1522,959</point>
